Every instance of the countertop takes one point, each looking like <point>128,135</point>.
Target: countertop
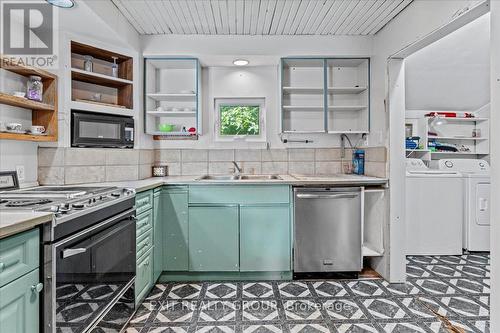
<point>13,222</point>
<point>295,180</point>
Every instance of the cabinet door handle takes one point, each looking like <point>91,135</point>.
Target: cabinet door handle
<point>36,288</point>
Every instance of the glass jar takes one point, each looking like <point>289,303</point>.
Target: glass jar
<point>34,89</point>
<point>88,63</point>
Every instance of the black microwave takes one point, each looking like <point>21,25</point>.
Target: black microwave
<point>89,129</point>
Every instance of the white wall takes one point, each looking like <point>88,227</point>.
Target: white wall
<point>111,29</point>
<point>419,19</point>
<point>264,53</point>
<point>453,73</point>
<point>495,167</point>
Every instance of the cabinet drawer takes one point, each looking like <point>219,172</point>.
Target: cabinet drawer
<point>144,243</point>
<point>143,201</point>
<point>144,223</point>
<point>20,304</point>
<point>240,194</point>
<point>19,254</point>
<point>144,277</point>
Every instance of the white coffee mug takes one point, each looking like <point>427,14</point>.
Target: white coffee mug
<point>37,129</point>
<point>14,126</point>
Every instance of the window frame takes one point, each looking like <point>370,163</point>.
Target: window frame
<point>241,101</point>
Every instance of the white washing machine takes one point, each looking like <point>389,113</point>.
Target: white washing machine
<point>476,173</point>
<point>434,210</point>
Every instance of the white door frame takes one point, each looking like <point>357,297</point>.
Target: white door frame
<point>396,109</point>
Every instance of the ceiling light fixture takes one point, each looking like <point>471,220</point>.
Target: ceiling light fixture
<point>240,62</point>
<point>62,3</point>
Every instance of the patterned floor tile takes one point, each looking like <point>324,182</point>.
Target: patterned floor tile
<point>365,288</point>
<point>100,292</point>
<point>473,271</point>
<point>356,328</point>
<point>294,289</point>
<point>329,289</point>
<point>403,328</point>
<point>215,329</point>
<point>185,291</point>
<point>302,310</point>
<point>384,308</point>
<point>176,312</point>
<point>477,259</point>
<point>172,329</point>
<point>413,271</point>
<point>260,310</point>
<point>423,307</point>
<point>157,292</point>
<point>343,309</point>
<point>439,327</point>
<point>435,287</point>
<point>221,290</point>
<point>67,291</point>
<point>262,329</point>
<point>452,260</point>
<point>214,311</point>
<point>257,290</point>
<point>133,329</point>
<point>401,288</point>
<point>470,286</point>
<point>464,306</point>
<point>308,328</point>
<point>443,270</point>
<point>424,260</point>
<point>143,312</point>
<point>481,325</point>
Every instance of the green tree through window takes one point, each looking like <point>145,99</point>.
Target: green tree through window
<point>239,119</point>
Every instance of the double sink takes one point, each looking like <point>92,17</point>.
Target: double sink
<point>237,177</point>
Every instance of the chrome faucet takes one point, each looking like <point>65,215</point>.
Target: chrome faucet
<point>237,168</point>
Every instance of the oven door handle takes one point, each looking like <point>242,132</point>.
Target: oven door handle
<point>66,253</point>
<point>73,252</point>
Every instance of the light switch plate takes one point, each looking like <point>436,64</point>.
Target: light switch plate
<point>20,172</point>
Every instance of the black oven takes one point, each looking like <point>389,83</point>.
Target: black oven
<point>89,129</point>
<point>90,275</point>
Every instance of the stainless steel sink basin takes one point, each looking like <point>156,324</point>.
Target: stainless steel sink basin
<point>260,177</point>
<point>239,177</point>
<point>219,177</point>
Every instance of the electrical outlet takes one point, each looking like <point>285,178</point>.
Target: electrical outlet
<point>20,172</point>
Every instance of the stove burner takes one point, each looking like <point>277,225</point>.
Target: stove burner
<point>27,203</point>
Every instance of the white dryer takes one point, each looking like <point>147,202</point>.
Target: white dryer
<point>434,210</point>
<point>477,191</point>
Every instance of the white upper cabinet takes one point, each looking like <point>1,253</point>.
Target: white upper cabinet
<point>325,95</point>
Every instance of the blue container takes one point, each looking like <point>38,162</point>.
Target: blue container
<point>358,162</point>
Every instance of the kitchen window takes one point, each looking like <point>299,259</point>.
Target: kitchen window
<point>240,119</point>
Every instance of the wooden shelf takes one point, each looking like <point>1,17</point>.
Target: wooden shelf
<point>94,107</point>
<point>99,79</point>
<point>456,153</point>
<point>27,137</point>
<point>348,132</point>
<point>42,113</point>
<point>24,103</point>
<point>172,97</point>
<point>302,108</point>
<point>457,119</point>
<point>339,108</point>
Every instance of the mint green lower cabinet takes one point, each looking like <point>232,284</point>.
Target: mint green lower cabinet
<point>19,304</point>
<point>144,276</point>
<point>157,235</point>
<point>265,238</point>
<point>213,238</point>
<point>175,229</point>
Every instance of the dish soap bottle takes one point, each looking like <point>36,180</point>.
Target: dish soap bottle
<point>358,162</point>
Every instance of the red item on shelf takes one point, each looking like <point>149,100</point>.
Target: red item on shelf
<point>192,130</point>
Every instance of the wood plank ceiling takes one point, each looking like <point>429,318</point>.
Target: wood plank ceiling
<point>260,17</point>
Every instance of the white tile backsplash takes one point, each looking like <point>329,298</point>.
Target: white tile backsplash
<point>79,165</point>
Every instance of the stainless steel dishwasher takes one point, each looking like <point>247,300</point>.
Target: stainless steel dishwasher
<point>327,230</point>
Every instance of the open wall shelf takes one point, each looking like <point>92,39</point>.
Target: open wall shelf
<point>99,86</point>
<point>453,131</point>
<point>43,113</point>
<point>328,95</point>
<point>172,95</point>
